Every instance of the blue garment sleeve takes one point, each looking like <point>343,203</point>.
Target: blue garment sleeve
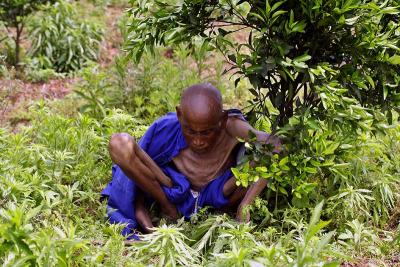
<point>163,140</point>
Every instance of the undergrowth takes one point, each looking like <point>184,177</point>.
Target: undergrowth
<point>51,174</point>
<point>334,200</point>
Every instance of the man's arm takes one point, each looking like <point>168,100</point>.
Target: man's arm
<point>241,129</point>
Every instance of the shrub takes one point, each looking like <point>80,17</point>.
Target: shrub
<point>324,76</point>
<point>42,75</point>
<point>62,41</point>
<point>148,90</point>
<point>13,13</point>
<point>291,48</point>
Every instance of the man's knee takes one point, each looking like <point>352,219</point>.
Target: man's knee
<point>121,147</point>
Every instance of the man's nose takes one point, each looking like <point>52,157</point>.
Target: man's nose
<point>197,141</point>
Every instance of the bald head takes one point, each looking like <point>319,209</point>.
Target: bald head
<point>201,116</point>
<point>202,101</point>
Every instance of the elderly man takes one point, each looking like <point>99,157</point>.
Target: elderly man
<point>183,161</point>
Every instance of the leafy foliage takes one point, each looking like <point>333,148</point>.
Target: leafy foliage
<point>13,14</point>
<point>335,158</point>
<point>63,42</point>
<point>148,90</point>
<point>49,189</point>
<point>173,250</point>
<point>324,77</point>
<point>344,152</point>
<point>291,49</point>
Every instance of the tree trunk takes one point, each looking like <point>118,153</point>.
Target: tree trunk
<point>17,46</point>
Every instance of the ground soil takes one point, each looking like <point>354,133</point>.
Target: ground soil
<point>16,95</point>
<point>393,261</point>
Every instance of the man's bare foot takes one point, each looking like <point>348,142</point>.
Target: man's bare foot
<point>170,213</point>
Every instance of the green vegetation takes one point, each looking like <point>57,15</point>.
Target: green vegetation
<point>333,193</point>
<point>61,41</point>
<point>292,51</point>
<point>325,76</point>
<point>14,14</point>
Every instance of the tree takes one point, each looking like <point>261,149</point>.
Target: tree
<point>13,14</point>
<point>294,49</point>
<point>318,70</point>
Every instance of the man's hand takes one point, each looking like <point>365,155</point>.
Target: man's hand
<point>243,213</point>
<point>241,129</point>
<point>267,138</point>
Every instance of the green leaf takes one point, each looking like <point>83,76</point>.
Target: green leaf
<point>261,169</point>
<point>302,58</point>
<point>313,229</point>
<point>284,161</point>
<point>352,21</point>
<point>257,16</point>
<point>310,170</point>
<point>301,65</point>
<point>313,124</point>
<point>236,173</point>
<point>395,60</point>
<point>283,191</point>
<point>369,79</point>
<point>330,149</point>
<point>316,214</point>
<point>385,92</point>
<point>278,13</point>
<point>276,5</point>
<point>253,69</point>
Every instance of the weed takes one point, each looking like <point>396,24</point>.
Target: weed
<point>60,40</point>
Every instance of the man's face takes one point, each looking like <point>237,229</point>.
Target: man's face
<point>201,133</point>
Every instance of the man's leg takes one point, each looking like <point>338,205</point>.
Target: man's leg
<point>138,166</point>
<point>234,194</point>
<point>142,213</point>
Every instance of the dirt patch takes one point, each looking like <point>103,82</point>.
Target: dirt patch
<point>16,95</point>
<point>110,46</point>
<point>394,218</point>
<point>393,261</point>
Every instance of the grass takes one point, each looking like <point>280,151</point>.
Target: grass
<point>51,174</point>
<point>53,169</point>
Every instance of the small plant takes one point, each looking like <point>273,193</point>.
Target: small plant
<point>94,89</point>
<point>14,13</point>
<point>357,236</point>
<point>166,246</point>
<point>42,75</point>
<point>67,42</point>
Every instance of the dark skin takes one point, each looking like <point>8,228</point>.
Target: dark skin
<point>205,125</point>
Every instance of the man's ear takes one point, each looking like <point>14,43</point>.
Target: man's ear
<point>178,112</point>
<point>224,118</point>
